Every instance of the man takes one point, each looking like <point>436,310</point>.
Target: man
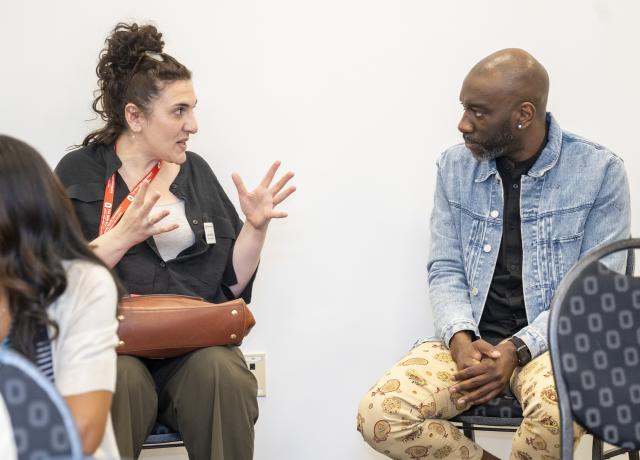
<point>515,207</point>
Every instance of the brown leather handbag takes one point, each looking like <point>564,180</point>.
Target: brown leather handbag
<point>166,325</point>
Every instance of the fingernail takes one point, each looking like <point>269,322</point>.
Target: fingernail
<point>462,402</point>
<point>452,390</point>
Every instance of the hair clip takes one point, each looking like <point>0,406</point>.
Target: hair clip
<point>155,56</point>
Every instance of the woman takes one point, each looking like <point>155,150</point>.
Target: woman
<point>7,444</point>
<point>180,235</point>
<point>57,299</point>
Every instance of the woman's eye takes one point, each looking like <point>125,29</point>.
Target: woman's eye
<point>478,114</point>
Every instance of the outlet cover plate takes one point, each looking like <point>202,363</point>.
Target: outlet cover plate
<point>257,363</point>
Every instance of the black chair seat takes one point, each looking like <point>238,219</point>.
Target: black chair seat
<point>161,434</point>
<point>505,410</point>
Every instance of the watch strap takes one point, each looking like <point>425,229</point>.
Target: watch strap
<point>522,350</point>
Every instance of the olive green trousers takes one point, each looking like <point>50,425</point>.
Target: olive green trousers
<point>208,396</point>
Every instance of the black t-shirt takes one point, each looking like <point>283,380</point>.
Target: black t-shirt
<point>504,311</point>
<point>202,270</point>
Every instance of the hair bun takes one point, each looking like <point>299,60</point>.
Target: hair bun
<point>124,46</point>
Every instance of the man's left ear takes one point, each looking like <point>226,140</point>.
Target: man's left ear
<point>526,115</point>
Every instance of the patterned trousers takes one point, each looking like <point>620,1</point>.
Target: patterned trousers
<point>404,415</point>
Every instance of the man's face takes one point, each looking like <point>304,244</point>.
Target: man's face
<point>487,124</point>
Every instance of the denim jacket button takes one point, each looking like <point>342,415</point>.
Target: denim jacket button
<point>486,248</point>
<point>474,291</point>
<point>494,214</point>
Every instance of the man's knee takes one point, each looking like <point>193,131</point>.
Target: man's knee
<point>381,416</point>
<point>540,429</point>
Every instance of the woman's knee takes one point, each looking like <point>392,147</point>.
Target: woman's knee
<point>224,367</point>
<point>133,375</point>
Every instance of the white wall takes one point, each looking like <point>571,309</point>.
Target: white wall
<point>358,97</point>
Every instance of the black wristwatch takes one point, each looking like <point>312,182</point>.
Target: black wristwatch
<point>522,350</point>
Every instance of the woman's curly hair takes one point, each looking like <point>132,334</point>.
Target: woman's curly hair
<point>132,68</point>
<point>38,230</point>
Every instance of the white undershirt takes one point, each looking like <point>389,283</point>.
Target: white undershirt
<point>172,243</point>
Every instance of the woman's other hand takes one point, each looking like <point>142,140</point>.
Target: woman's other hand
<point>259,205</point>
<point>258,208</point>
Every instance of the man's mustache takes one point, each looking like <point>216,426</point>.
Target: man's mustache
<point>469,140</point>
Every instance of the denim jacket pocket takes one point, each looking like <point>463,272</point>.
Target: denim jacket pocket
<point>564,249</point>
<point>557,247</point>
<point>472,251</point>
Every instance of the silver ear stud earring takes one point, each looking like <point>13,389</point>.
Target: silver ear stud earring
<point>519,126</point>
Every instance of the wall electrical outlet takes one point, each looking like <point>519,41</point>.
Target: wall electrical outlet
<point>257,363</point>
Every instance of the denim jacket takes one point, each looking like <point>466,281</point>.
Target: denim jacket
<point>573,199</point>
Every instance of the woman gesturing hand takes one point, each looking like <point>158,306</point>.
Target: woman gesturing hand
<point>137,223</point>
<point>259,205</point>
<point>135,226</point>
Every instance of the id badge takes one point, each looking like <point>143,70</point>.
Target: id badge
<point>209,233</point>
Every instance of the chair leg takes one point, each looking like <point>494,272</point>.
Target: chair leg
<point>468,431</point>
<point>597,449</point>
<point>634,455</point>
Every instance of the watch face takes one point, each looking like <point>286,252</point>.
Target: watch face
<point>522,352</point>
<point>523,355</point>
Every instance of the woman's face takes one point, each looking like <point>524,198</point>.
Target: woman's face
<point>166,129</point>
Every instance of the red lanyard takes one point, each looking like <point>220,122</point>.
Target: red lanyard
<point>107,221</point>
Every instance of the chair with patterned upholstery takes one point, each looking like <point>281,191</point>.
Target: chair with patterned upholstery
<point>41,422</point>
<point>504,413</point>
<point>594,339</point>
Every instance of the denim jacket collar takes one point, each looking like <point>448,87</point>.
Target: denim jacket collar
<point>547,160</point>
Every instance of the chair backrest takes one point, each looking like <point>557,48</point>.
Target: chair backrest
<point>594,338</point>
<point>42,424</point>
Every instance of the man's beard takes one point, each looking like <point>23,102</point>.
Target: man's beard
<point>495,147</point>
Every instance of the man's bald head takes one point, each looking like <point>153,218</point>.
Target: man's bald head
<point>504,97</point>
<point>514,73</point>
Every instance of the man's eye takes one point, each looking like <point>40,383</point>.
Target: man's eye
<point>475,113</point>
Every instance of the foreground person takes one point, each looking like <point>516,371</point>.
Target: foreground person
<point>57,299</point>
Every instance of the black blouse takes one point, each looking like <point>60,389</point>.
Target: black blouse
<point>202,270</point>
